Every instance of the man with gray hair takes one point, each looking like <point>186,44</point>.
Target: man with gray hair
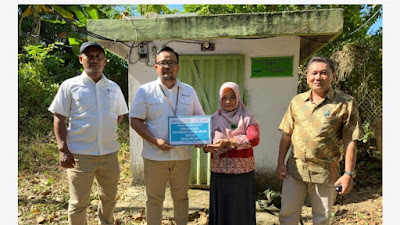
<point>322,126</point>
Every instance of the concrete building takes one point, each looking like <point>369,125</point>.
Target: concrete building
<point>259,51</point>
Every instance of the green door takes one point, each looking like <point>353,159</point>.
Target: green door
<point>206,74</point>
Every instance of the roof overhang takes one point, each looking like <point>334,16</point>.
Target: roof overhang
<point>315,27</point>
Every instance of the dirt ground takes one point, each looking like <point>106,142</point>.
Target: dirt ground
<point>359,207</point>
<point>43,199</point>
<point>198,206</point>
<point>41,203</point>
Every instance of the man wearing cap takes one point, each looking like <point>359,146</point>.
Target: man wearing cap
<point>164,163</point>
<point>88,147</point>
<point>322,126</point>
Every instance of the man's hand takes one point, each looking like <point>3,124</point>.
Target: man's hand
<point>67,159</point>
<point>163,145</point>
<point>347,183</point>
<point>120,118</point>
<point>281,171</point>
<point>142,129</point>
<point>350,156</point>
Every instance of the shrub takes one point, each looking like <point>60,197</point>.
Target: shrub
<point>38,68</point>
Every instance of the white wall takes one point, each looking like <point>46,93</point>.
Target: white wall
<point>268,98</point>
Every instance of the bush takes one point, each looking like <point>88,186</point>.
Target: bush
<point>38,68</point>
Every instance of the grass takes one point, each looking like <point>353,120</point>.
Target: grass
<point>42,184</point>
<point>36,154</point>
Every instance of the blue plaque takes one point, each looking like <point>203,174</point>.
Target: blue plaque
<point>189,130</point>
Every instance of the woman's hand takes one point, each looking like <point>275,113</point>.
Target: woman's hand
<point>205,148</point>
<point>208,149</point>
<point>220,143</point>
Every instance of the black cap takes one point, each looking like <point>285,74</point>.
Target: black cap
<point>88,44</point>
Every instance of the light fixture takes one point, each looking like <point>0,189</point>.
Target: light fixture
<point>207,46</point>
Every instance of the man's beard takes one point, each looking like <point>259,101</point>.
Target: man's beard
<point>168,78</point>
<point>93,69</point>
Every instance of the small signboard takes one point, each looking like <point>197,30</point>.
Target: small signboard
<point>189,130</point>
<point>272,66</point>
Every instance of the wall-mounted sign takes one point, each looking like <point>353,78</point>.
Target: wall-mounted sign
<point>272,66</point>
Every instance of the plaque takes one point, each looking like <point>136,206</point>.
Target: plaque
<point>189,130</point>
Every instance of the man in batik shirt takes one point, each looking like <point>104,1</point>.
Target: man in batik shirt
<point>322,125</point>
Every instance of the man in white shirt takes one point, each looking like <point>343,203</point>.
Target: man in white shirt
<point>88,146</point>
<point>163,163</point>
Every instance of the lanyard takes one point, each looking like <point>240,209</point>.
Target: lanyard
<point>170,105</point>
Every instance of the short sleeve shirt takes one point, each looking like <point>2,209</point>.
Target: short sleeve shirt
<point>92,110</point>
<point>151,105</point>
<point>318,133</point>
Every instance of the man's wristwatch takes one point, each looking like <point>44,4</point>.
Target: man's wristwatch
<point>350,173</point>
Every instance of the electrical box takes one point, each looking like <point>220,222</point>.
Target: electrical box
<point>143,51</point>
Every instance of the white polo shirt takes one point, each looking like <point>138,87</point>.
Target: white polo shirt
<point>151,105</point>
<point>93,110</point>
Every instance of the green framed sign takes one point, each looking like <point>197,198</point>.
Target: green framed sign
<point>272,66</point>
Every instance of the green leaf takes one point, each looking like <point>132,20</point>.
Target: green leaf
<point>59,43</point>
<point>52,19</point>
<point>94,13</point>
<point>75,43</point>
<point>63,12</point>
<point>79,14</point>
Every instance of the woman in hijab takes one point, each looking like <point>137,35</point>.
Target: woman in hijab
<point>235,132</point>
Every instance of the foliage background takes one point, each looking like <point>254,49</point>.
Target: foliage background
<point>50,36</point>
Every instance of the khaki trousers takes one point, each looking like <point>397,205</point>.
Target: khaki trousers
<point>156,176</point>
<point>294,191</point>
<point>80,178</point>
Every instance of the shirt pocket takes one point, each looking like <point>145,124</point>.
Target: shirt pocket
<point>155,108</point>
<point>331,123</point>
<point>185,106</point>
<point>82,99</point>
<point>112,98</point>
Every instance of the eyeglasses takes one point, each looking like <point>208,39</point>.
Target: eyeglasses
<point>167,63</point>
<point>91,57</point>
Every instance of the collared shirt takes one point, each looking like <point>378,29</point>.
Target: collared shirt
<point>151,105</point>
<point>318,133</point>
<point>93,110</point>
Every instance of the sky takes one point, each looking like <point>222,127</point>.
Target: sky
<point>376,26</point>
<point>179,7</point>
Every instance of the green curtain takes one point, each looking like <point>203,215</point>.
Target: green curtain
<point>206,74</point>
